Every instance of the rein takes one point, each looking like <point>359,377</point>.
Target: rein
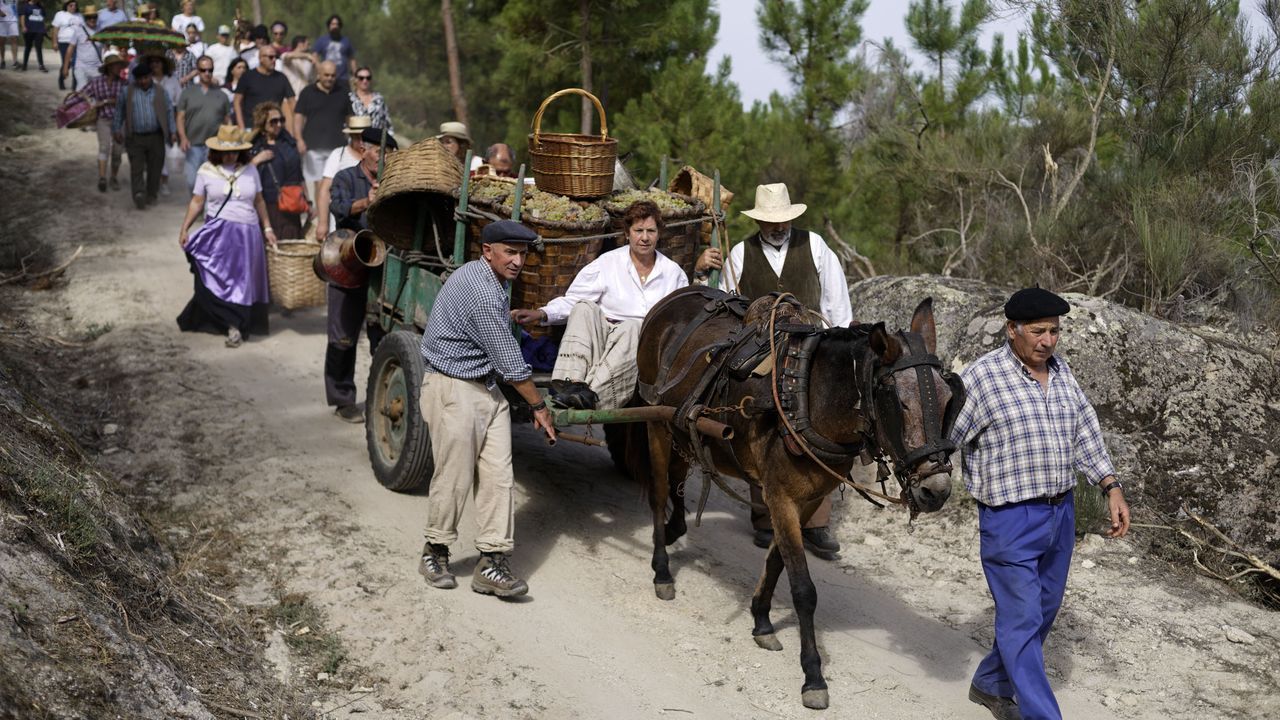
<point>799,439</point>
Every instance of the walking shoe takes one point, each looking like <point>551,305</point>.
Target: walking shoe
<point>140,201</point>
<point>819,541</point>
<point>44,69</point>
<point>233,338</point>
<point>1002,708</point>
<point>434,566</point>
<point>493,577</point>
<point>164,188</point>
<point>763,539</point>
<point>115,184</point>
<point>102,184</point>
<point>350,413</point>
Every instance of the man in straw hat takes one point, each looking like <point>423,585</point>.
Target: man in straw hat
<point>145,123</point>
<point>455,138</point>
<point>102,91</point>
<point>350,197</point>
<point>1025,432</point>
<point>783,258</point>
<point>83,56</point>
<point>340,159</point>
<point>468,349</point>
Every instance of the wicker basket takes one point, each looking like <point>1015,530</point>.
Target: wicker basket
<point>693,183</point>
<point>293,283</point>
<point>426,167</point>
<point>570,163</point>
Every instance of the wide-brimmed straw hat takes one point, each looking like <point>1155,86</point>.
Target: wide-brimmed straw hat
<point>454,129</point>
<point>144,8</point>
<point>357,124</point>
<point>230,138</point>
<point>111,57</point>
<point>773,205</point>
<point>90,10</point>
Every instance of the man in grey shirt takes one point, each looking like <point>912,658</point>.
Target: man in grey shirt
<point>202,107</point>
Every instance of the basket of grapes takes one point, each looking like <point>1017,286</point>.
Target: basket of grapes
<point>488,192</point>
<point>679,240</point>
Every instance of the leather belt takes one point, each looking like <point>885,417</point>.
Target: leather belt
<point>1046,500</point>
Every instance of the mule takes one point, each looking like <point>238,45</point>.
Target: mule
<point>804,404</point>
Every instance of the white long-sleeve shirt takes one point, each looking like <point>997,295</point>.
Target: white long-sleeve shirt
<point>611,281</point>
<point>835,288</point>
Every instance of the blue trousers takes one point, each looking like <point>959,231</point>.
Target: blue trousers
<point>195,157</point>
<point>1026,552</point>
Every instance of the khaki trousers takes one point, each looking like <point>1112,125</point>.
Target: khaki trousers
<point>600,353</point>
<point>470,428</point>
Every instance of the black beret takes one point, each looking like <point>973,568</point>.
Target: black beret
<point>142,69</point>
<point>507,231</point>
<point>374,135</point>
<point>1034,303</point>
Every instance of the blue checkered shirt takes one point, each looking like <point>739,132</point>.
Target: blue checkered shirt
<point>469,332</point>
<point>1019,440</point>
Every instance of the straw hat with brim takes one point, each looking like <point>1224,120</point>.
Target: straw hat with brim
<point>109,58</point>
<point>230,139</point>
<point>773,205</point>
<point>357,124</point>
<point>455,130</point>
<point>90,11</point>
<point>144,8</point>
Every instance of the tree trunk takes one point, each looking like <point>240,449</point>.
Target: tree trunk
<point>584,35</point>
<point>257,12</point>
<point>455,69</point>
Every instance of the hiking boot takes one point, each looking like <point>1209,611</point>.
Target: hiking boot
<point>1002,708</point>
<point>820,542</point>
<point>574,394</point>
<point>434,566</point>
<point>350,413</point>
<point>763,539</point>
<point>493,577</point>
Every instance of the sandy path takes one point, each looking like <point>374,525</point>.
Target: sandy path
<point>590,640</point>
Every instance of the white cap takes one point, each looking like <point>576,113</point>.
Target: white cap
<point>224,30</point>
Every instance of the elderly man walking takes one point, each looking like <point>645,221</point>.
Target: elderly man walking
<point>145,123</point>
<point>1024,433</point>
<point>783,258</point>
<point>318,117</point>
<point>469,349</point>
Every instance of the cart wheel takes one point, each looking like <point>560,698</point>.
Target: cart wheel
<point>398,438</point>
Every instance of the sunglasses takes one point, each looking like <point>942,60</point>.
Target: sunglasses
<point>265,56</point>
<point>364,77</point>
<point>275,121</point>
<point>204,70</point>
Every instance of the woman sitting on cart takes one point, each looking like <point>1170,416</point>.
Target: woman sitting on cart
<point>604,307</point>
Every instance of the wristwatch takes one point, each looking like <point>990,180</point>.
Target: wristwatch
<point>1106,489</point>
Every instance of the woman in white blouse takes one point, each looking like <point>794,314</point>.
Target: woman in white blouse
<point>603,309</point>
<point>66,21</point>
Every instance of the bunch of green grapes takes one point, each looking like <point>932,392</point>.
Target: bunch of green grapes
<point>549,207</point>
<point>490,191</point>
<point>668,203</point>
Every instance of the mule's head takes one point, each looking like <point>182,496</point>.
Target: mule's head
<point>914,404</point>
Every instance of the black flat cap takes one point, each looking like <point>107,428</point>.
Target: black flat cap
<point>141,70</point>
<point>507,231</point>
<point>374,135</point>
<point>1034,303</point>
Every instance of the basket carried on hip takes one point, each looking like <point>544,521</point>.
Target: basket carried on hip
<point>293,283</point>
<point>571,163</point>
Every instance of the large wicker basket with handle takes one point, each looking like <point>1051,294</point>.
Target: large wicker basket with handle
<point>293,283</point>
<point>571,163</point>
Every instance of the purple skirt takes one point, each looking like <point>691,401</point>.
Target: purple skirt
<point>231,261</point>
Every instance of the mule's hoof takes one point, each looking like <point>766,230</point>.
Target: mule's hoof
<point>665,591</point>
<point>768,641</point>
<point>815,699</point>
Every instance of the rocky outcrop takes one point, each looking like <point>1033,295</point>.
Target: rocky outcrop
<point>1192,414</point>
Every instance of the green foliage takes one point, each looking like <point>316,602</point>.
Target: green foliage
<point>814,42</point>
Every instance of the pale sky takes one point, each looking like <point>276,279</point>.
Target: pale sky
<point>757,76</point>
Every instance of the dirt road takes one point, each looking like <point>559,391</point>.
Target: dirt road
<point>900,627</point>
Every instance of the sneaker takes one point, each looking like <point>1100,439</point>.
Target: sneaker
<point>114,183</point>
<point>493,577</point>
<point>763,539</point>
<point>1002,708</point>
<point>164,189</point>
<point>44,69</point>
<point>350,413</point>
<point>102,184</point>
<point>820,542</point>
<point>434,566</point>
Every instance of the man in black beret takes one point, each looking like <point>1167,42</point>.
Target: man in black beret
<point>1025,432</point>
<point>467,350</point>
<point>350,196</point>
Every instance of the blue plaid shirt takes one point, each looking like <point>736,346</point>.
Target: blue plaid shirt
<point>1019,440</point>
<point>469,332</point>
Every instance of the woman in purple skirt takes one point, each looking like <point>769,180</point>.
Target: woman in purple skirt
<point>227,255</point>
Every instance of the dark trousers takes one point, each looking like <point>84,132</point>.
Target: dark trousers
<point>760,517</point>
<point>146,155</point>
<point>31,40</point>
<point>64,63</point>
<point>346,316</point>
<point>1026,552</point>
